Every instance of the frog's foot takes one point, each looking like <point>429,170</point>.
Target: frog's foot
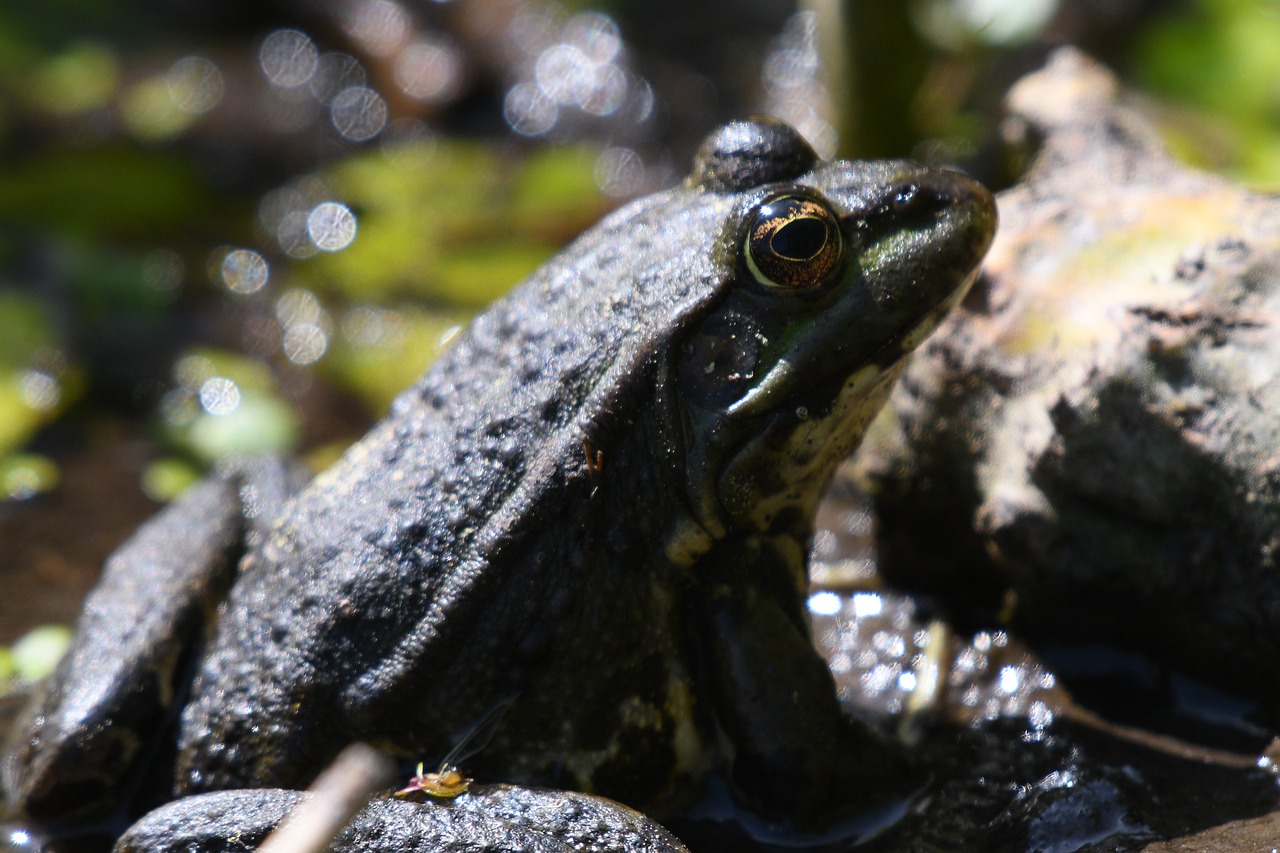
<point>86,743</point>
<point>488,817</point>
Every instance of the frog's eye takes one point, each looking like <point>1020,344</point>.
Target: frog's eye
<point>793,242</point>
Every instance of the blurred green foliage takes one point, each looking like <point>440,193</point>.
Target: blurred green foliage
<point>111,191</point>
<point>35,387</point>
<point>445,227</point>
<point>453,221</point>
<point>113,187</point>
<point>1221,59</point>
<point>226,404</point>
<point>33,656</point>
<point>383,351</point>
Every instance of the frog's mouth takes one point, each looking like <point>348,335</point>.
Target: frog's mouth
<point>793,433</point>
<point>785,386</point>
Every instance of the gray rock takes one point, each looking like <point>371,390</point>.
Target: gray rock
<point>1097,430</point>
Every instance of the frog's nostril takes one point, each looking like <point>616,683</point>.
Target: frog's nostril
<point>910,205</point>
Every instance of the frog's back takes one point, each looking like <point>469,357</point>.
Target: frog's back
<point>405,528</point>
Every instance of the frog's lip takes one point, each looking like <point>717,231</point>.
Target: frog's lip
<point>769,396</point>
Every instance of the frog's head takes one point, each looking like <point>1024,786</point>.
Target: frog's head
<point>834,273</point>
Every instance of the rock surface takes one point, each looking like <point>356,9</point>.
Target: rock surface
<point>1093,441</point>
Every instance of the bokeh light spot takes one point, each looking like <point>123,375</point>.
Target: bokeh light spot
<point>528,111</point>
<point>429,70</point>
<point>619,172</point>
<point>381,27</point>
<point>219,395</point>
<point>149,112</point>
<point>82,78</point>
<point>298,306</point>
<point>26,475</point>
<point>336,72</point>
<point>195,84</point>
<point>304,343</point>
<point>163,272</point>
<point>358,113</point>
<point>603,90</point>
<point>595,34</point>
<point>331,226</point>
<point>191,371</point>
<point>244,271</point>
<point>288,58</point>
<point>825,603</point>
<point>39,390</point>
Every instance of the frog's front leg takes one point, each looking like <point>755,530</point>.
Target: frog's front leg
<point>796,755</point>
<point>94,733</point>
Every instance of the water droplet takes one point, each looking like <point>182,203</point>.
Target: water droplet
<point>824,603</point>
<point>1009,680</point>
<point>448,336</point>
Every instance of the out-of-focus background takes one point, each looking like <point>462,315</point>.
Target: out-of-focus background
<point>244,227</point>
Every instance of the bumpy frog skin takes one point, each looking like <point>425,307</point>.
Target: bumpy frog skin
<point>594,511</point>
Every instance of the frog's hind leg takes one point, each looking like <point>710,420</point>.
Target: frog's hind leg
<point>87,740</point>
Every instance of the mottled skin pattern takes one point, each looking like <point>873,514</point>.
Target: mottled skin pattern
<point>465,537</point>
<point>588,522</point>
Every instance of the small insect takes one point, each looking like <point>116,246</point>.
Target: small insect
<point>446,783</point>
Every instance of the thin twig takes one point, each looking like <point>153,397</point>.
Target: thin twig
<point>334,798</point>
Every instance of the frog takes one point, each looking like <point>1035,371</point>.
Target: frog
<point>587,522</point>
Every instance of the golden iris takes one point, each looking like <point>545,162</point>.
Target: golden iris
<point>794,242</point>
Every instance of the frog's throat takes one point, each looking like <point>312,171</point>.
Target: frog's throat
<point>689,540</point>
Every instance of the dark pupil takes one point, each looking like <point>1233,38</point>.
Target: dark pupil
<point>800,239</point>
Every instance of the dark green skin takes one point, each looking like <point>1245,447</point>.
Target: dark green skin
<point>593,513</point>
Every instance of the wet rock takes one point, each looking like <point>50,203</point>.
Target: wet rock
<point>491,818</point>
<point>887,661</point>
<point>1097,431</point>
<point>1262,833</point>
